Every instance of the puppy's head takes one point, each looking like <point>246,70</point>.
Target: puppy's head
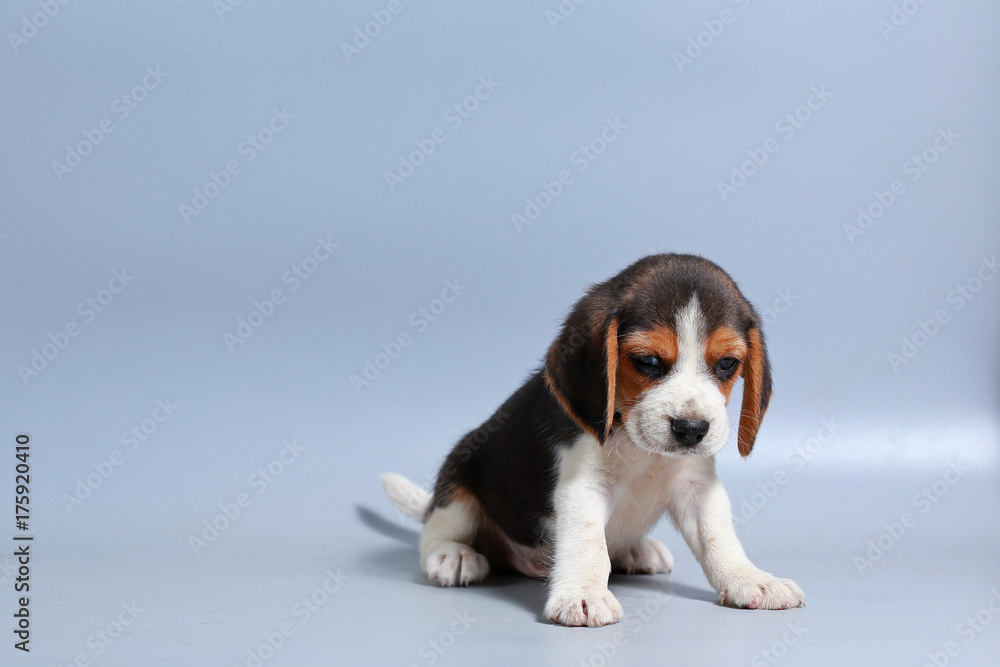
<point>658,348</point>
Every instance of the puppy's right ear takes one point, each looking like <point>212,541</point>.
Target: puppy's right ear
<point>582,363</point>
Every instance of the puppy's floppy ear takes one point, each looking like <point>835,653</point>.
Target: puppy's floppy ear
<point>582,363</point>
<point>756,389</point>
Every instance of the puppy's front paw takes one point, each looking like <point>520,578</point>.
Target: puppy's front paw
<point>455,564</point>
<point>592,607</point>
<point>648,557</point>
<point>760,590</point>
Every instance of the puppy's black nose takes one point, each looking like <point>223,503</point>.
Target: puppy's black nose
<point>688,432</point>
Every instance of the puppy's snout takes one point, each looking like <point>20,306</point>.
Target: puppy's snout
<point>688,432</point>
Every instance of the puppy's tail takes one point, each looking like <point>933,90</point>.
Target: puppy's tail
<point>407,496</point>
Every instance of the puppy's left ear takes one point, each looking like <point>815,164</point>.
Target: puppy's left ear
<point>756,389</point>
<point>582,363</point>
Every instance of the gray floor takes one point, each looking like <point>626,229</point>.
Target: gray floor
<point>251,588</point>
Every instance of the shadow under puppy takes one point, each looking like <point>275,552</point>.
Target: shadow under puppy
<point>568,477</point>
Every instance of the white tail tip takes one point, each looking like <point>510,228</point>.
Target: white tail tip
<point>407,496</point>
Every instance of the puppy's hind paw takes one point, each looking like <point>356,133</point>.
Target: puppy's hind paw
<point>647,557</point>
<point>456,564</point>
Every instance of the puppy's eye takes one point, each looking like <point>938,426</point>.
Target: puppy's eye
<point>650,366</point>
<point>725,367</point>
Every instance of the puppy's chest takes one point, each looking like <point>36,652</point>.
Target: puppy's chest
<point>638,497</point>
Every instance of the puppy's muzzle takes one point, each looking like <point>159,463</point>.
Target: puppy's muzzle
<point>688,432</point>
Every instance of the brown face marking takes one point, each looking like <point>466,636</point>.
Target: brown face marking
<point>724,342</point>
<point>659,342</point>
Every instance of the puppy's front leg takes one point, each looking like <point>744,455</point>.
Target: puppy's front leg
<point>578,583</point>
<point>701,510</point>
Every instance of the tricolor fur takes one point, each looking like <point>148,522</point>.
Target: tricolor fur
<point>621,425</point>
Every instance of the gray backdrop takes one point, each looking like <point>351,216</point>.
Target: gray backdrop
<point>254,255</point>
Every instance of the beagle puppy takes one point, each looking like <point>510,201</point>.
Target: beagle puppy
<point>565,481</point>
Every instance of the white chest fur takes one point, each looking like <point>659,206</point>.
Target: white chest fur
<point>635,485</point>
<point>638,486</point>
